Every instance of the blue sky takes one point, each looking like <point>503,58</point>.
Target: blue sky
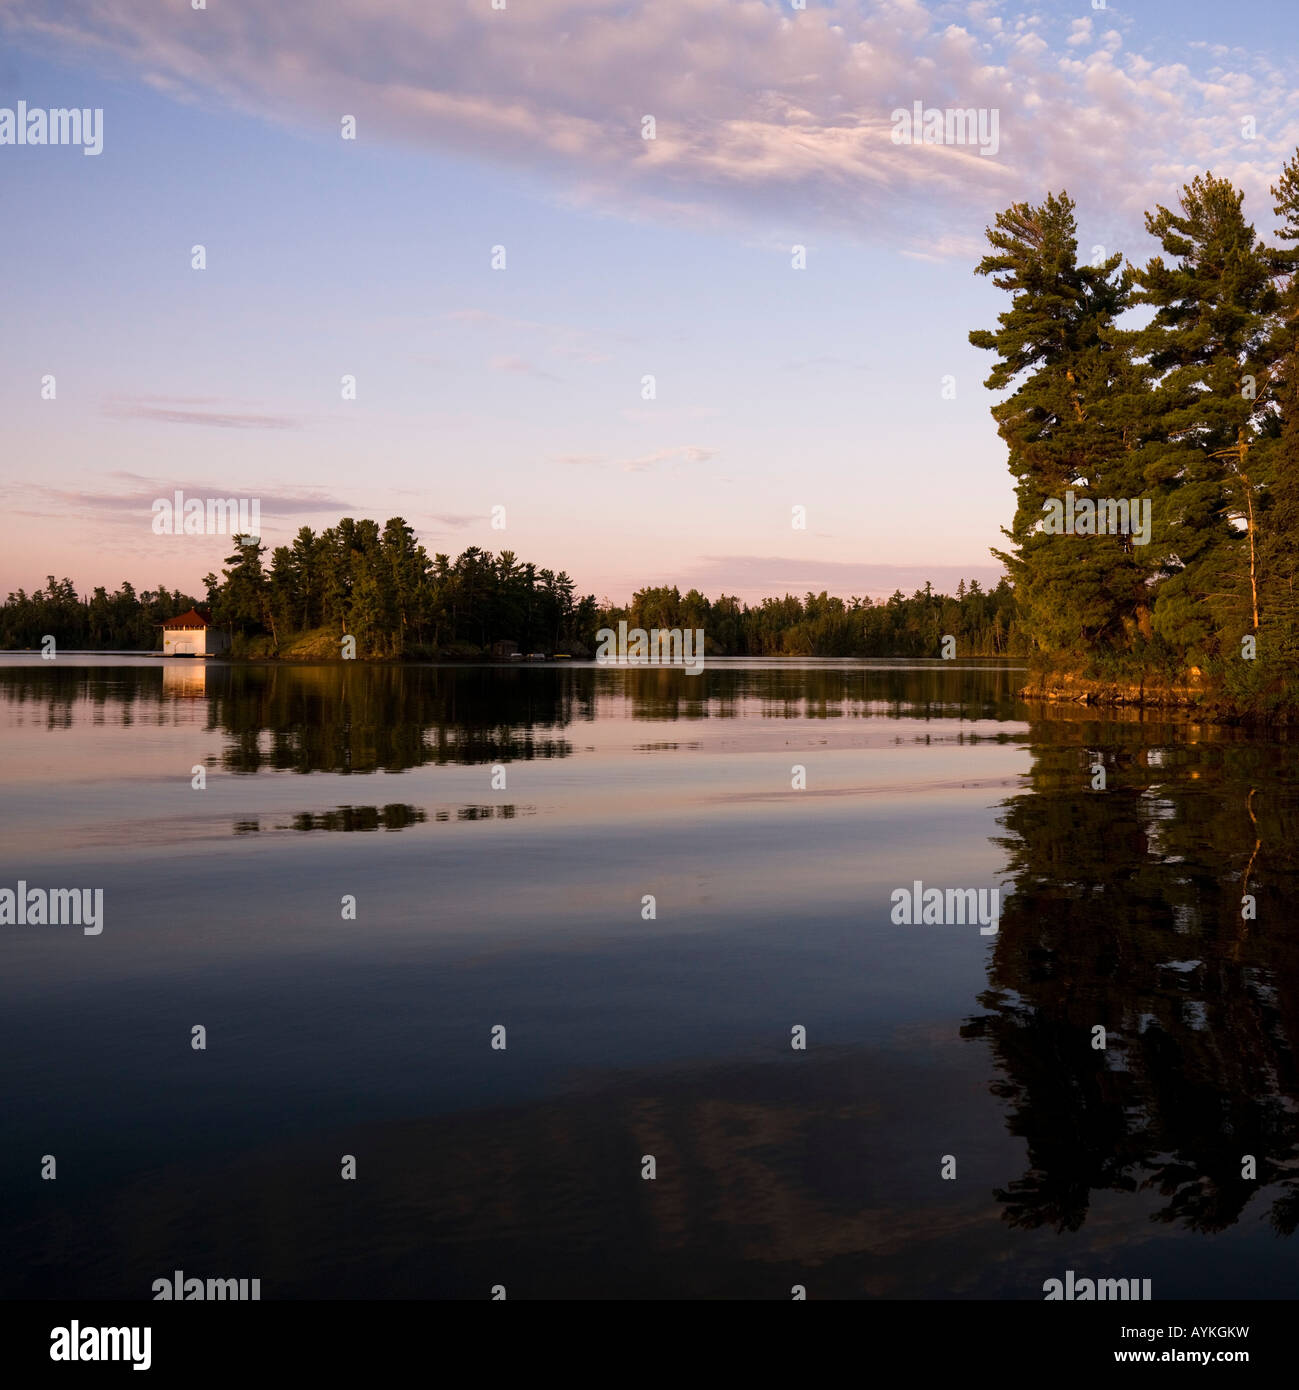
<point>522,388</point>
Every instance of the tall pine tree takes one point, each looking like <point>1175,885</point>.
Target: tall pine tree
<point>1205,348</point>
<point>1057,348</point>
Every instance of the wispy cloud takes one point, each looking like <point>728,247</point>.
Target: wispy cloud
<point>680,453</point>
<point>142,492</point>
<point>762,575</point>
<point>762,112</point>
<point>182,411</point>
<point>683,453</point>
<point>520,366</point>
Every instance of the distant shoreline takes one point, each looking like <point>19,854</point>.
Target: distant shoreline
<point>1199,697</point>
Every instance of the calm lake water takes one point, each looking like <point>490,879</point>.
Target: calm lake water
<point>517,901</point>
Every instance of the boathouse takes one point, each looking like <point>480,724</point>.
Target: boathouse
<point>192,634</point>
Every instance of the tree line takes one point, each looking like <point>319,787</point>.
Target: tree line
<point>382,588</point>
<point>100,621</point>
<point>982,621</point>
<point>1192,409</point>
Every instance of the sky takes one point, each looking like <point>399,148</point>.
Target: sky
<point>846,387</point>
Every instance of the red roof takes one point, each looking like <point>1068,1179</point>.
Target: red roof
<point>191,619</point>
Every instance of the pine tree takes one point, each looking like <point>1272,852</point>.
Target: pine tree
<point>243,595</point>
<point>1279,540</point>
<point>1056,346</point>
<point>1201,419</point>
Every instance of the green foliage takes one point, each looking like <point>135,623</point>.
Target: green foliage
<point>379,586</point>
<point>1195,412</point>
<point>1056,346</point>
<point>123,621</point>
<point>983,623</point>
<point>382,588</point>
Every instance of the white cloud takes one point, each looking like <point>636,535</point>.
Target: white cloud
<point>772,120</point>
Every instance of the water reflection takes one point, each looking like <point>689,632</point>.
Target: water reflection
<point>1160,909</point>
<point>630,1035</point>
<point>344,818</point>
<point>355,719</point>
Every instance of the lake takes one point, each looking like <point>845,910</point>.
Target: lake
<point>957,1124</point>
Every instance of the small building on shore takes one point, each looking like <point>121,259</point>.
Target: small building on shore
<point>192,634</point>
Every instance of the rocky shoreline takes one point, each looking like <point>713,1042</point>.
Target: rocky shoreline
<point>1065,687</point>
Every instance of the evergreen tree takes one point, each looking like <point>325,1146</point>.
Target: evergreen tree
<point>1060,360</point>
<point>242,604</point>
<point>1213,304</point>
<point>1279,539</point>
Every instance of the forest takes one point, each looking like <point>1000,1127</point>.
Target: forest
<point>383,588</point>
<point>1174,383</point>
